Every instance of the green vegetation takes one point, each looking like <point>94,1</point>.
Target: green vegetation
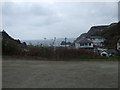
<point>10,47</point>
<point>59,52</point>
<point>112,34</point>
<point>45,52</point>
<point>52,53</point>
<point>66,53</point>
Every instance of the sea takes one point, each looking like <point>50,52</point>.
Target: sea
<point>48,42</point>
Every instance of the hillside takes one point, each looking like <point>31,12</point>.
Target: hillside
<point>81,36</point>
<point>110,32</point>
<point>96,30</point>
<point>10,46</point>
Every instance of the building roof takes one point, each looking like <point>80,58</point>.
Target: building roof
<point>84,41</point>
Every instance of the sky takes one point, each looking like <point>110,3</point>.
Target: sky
<point>39,20</point>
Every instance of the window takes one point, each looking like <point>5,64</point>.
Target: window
<point>86,44</point>
<point>89,44</point>
<point>81,44</point>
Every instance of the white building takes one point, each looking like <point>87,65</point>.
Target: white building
<point>97,41</point>
<point>90,42</point>
<point>84,43</point>
<point>118,45</point>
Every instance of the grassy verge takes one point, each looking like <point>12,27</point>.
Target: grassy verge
<point>81,58</point>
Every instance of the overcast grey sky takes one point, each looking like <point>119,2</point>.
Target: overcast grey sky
<point>37,20</point>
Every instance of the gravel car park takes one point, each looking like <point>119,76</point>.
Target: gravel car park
<point>59,74</point>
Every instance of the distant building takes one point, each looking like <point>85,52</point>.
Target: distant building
<point>98,41</point>
<point>90,42</point>
<point>118,45</point>
<point>84,43</point>
<point>65,44</point>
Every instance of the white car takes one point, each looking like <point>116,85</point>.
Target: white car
<point>104,54</point>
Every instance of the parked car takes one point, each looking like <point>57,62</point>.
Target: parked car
<point>104,53</point>
<point>109,52</point>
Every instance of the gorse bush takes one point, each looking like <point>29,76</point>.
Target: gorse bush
<point>72,53</point>
<point>60,52</point>
<point>9,47</point>
<point>46,52</point>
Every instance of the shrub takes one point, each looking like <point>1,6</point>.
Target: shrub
<point>46,52</point>
<point>72,53</point>
<point>10,47</point>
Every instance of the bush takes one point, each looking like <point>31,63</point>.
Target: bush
<point>10,47</point>
<point>72,53</point>
<point>60,52</point>
<point>46,52</point>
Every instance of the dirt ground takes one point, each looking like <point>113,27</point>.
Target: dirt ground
<point>59,74</point>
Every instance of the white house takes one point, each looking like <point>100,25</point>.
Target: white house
<point>84,43</point>
<point>97,41</point>
<point>65,44</point>
<point>118,45</point>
